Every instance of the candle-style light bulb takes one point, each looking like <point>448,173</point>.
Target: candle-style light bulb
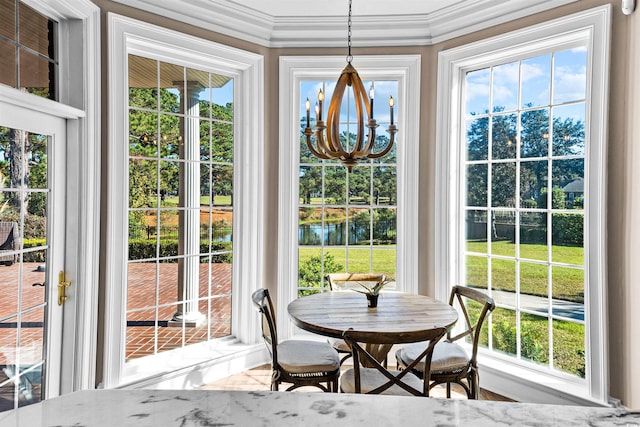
<point>319,109</point>
<point>391,103</point>
<point>371,101</point>
<point>308,106</point>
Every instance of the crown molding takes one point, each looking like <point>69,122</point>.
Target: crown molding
<point>245,23</point>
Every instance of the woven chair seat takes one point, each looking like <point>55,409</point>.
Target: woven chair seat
<point>298,357</point>
<point>447,357</point>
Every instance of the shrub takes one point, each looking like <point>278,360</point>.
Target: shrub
<point>146,249</point>
<point>310,272</point>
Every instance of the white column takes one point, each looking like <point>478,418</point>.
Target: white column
<point>189,202</point>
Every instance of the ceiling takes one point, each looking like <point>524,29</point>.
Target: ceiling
<point>313,23</point>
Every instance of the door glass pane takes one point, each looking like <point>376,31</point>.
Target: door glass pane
<point>23,254</point>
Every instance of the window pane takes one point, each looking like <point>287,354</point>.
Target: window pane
<point>534,133</point>
<point>533,236</point>
<point>568,292</point>
<point>335,185</point>
<point>504,136</point>
<point>37,75</point>
<point>536,81</point>
<point>37,32</point>
<point>384,185</point>
<point>477,138</point>
<point>569,75</point>
<point>568,130</point>
<point>477,271</point>
<point>534,342</point>
<point>533,184</point>
<point>503,185</point>
<point>567,238</point>
<point>568,347</point>
<point>359,227</point>
<point>477,231</point>
<point>477,92</point>
<point>476,180</point>
<point>8,63</point>
<point>534,287</point>
<point>310,231</point>
<point>505,87</point>
<point>503,280</point>
<point>504,331</point>
<point>503,233</point>
<point>311,185</point>
<point>384,226</point>
<point>360,186</point>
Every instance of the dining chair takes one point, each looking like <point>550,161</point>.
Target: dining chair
<point>344,282</point>
<point>369,376</point>
<point>451,363</point>
<point>297,362</point>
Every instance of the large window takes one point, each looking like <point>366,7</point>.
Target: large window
<point>333,220</point>
<point>524,205</point>
<point>180,206</point>
<point>186,209</point>
<point>521,218</point>
<point>347,219</point>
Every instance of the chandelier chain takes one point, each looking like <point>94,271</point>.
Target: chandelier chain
<point>349,56</point>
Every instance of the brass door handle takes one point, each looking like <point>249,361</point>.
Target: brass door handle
<point>62,285</point>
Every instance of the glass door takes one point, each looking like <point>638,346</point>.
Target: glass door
<point>32,200</point>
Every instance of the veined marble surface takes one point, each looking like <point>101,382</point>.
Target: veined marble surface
<point>191,408</point>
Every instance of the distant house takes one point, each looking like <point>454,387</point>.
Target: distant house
<point>574,189</point>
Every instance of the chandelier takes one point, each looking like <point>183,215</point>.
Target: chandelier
<point>328,145</point>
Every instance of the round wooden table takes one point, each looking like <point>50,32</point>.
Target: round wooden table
<point>332,313</point>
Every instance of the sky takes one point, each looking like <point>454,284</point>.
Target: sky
<point>545,80</point>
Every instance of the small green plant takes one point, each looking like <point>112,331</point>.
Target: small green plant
<point>373,290</point>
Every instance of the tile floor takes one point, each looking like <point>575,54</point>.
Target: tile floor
<point>259,378</point>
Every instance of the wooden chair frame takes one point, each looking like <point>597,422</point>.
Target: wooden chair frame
<point>364,356</point>
<point>468,373</point>
<point>334,278</point>
<point>262,300</point>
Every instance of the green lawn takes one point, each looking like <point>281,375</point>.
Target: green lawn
<point>383,259</point>
<point>204,201</point>
<point>567,282</point>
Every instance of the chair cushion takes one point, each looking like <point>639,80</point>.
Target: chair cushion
<point>370,378</point>
<point>339,344</point>
<point>447,356</point>
<point>299,356</point>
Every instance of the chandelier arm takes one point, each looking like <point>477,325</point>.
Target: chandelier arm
<point>318,153</point>
<point>333,117</point>
<point>360,97</point>
<point>385,151</point>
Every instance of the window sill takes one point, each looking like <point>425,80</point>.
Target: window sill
<point>532,386</point>
<point>194,365</point>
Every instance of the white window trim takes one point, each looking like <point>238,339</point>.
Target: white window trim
<point>131,36</point>
<point>293,69</point>
<point>79,84</point>
<point>593,26</point>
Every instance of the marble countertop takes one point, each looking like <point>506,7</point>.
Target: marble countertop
<point>191,408</point>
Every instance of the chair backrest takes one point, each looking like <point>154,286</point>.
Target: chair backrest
<point>473,327</point>
<point>348,281</point>
<point>364,346</point>
<point>262,300</point>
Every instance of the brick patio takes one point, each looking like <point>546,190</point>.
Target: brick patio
<point>145,333</point>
